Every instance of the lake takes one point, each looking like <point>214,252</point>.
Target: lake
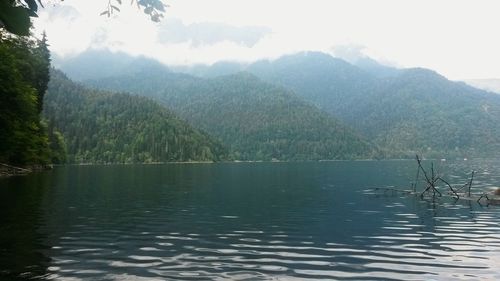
<point>246,221</point>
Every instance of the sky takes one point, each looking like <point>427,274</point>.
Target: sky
<point>457,38</point>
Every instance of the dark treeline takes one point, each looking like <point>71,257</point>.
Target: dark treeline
<point>24,75</point>
<point>104,127</point>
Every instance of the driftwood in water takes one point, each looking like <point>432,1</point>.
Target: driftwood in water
<point>9,170</point>
<point>393,190</point>
<point>434,179</point>
<point>431,182</point>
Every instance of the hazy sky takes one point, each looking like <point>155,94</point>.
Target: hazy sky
<point>459,39</point>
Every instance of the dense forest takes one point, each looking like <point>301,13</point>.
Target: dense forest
<point>407,111</point>
<point>257,120</point>
<point>24,74</point>
<point>104,127</point>
<point>404,111</point>
<point>307,106</point>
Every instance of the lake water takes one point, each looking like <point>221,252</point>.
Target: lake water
<point>246,221</point>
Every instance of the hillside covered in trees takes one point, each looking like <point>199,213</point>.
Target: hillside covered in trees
<point>404,111</point>
<point>307,106</point>
<point>257,120</point>
<point>410,111</point>
<point>104,127</point>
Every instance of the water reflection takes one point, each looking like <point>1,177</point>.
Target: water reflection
<point>23,243</point>
<point>247,221</point>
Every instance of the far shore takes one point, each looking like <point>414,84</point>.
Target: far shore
<point>9,170</point>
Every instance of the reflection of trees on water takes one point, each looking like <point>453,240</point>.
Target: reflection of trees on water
<point>23,244</point>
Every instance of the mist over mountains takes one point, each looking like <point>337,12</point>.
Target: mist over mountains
<point>310,105</point>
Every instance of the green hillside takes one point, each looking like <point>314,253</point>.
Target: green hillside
<point>257,120</point>
<point>402,111</point>
<point>103,127</point>
<point>411,111</point>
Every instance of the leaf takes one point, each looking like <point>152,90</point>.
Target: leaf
<point>115,8</point>
<point>148,10</point>
<point>104,13</point>
<point>32,6</point>
<point>158,5</point>
<point>119,1</point>
<point>15,19</point>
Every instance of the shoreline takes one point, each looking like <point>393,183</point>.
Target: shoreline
<point>7,170</point>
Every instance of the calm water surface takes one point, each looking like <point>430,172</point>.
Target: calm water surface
<point>246,221</point>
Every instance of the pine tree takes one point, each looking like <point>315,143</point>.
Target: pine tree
<point>42,72</point>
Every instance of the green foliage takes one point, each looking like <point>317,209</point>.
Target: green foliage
<point>257,120</point>
<point>15,18</point>
<point>103,127</point>
<point>403,112</point>
<point>23,139</point>
<point>407,112</point>
<point>421,111</point>
<point>57,146</point>
<point>15,14</point>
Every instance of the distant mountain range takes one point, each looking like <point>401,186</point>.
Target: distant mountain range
<point>412,111</point>
<point>96,64</point>
<point>328,107</point>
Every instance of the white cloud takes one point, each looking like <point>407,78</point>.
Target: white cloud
<point>458,38</point>
<point>208,33</point>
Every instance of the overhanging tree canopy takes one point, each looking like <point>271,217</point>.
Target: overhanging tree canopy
<point>15,14</point>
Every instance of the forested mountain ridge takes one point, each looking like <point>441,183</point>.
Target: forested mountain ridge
<point>332,84</point>
<point>409,111</point>
<point>104,127</point>
<point>404,111</point>
<point>423,110</point>
<point>257,120</point>
<point>94,64</point>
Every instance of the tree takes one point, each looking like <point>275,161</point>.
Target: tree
<point>42,69</point>
<point>23,138</point>
<point>15,14</point>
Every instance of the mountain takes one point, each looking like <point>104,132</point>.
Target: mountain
<point>98,63</point>
<point>331,84</point>
<point>410,111</point>
<point>491,85</point>
<point>375,68</point>
<point>257,120</point>
<point>422,111</point>
<point>210,71</point>
<point>403,111</point>
<point>104,127</point>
